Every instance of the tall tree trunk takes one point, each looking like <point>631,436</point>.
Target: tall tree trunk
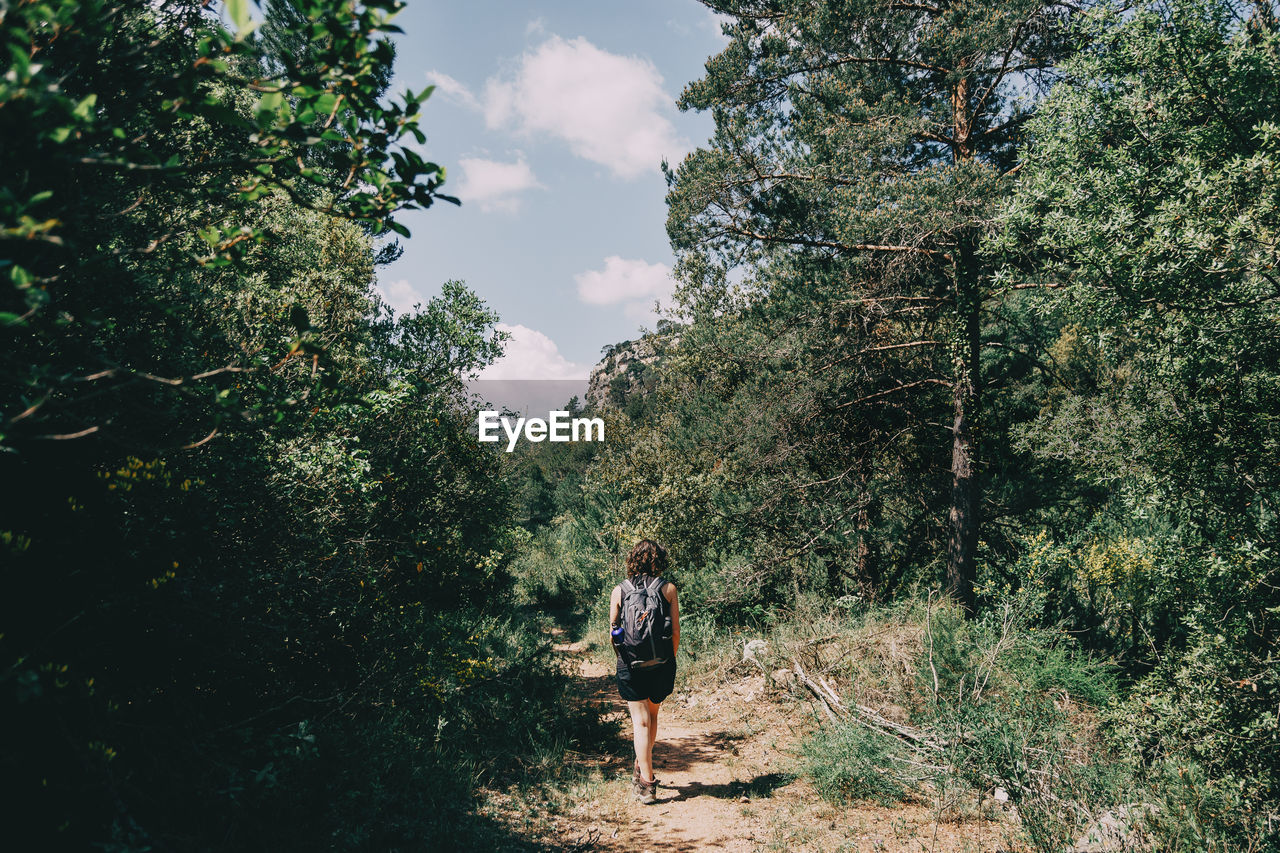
<point>868,553</point>
<point>962,538</point>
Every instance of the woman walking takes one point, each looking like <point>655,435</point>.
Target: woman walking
<point>644,614</point>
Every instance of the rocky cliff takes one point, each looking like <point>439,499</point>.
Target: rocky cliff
<point>627,369</point>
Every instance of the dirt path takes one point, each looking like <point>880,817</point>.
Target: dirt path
<point>705,786</point>
<point>723,761</point>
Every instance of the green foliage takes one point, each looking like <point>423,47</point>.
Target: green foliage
<point>1195,811</point>
<point>142,139</point>
<point>1169,165</point>
<point>1028,721</point>
<point>1205,720</point>
<point>849,763</point>
<point>555,572</point>
<point>992,703</point>
<point>256,564</point>
<point>1148,199</point>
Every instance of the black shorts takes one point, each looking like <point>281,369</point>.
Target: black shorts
<point>654,683</point>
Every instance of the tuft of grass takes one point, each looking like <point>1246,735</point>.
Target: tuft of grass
<point>847,762</point>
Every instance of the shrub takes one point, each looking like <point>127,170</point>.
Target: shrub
<point>849,762</point>
<point>993,702</point>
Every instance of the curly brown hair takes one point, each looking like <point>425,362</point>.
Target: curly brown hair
<point>647,558</point>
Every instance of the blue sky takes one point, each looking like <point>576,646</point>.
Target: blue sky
<point>552,119</point>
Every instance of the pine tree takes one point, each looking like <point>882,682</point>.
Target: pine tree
<point>874,138</point>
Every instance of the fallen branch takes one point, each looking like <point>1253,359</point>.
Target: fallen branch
<point>921,743</point>
<point>821,696</point>
<point>837,710</point>
<point>907,733</point>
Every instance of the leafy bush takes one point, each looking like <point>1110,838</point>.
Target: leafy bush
<point>1196,812</point>
<point>1204,724</point>
<point>1193,626</point>
<point>553,572</point>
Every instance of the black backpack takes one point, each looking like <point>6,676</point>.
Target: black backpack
<point>646,624</point>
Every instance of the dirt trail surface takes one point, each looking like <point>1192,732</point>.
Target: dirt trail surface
<point>725,763</point>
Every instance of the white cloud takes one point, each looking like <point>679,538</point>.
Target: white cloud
<point>453,88</point>
<point>529,354</point>
<point>495,186</point>
<point>624,280</point>
<point>400,295</point>
<point>610,109</point>
<point>636,285</point>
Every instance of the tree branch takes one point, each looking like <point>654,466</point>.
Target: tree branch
<point>831,244</point>
<point>915,384</point>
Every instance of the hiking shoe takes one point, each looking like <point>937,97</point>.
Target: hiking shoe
<point>646,792</point>
<point>637,778</point>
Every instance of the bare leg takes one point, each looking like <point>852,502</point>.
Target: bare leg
<point>643,729</point>
<point>653,709</point>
